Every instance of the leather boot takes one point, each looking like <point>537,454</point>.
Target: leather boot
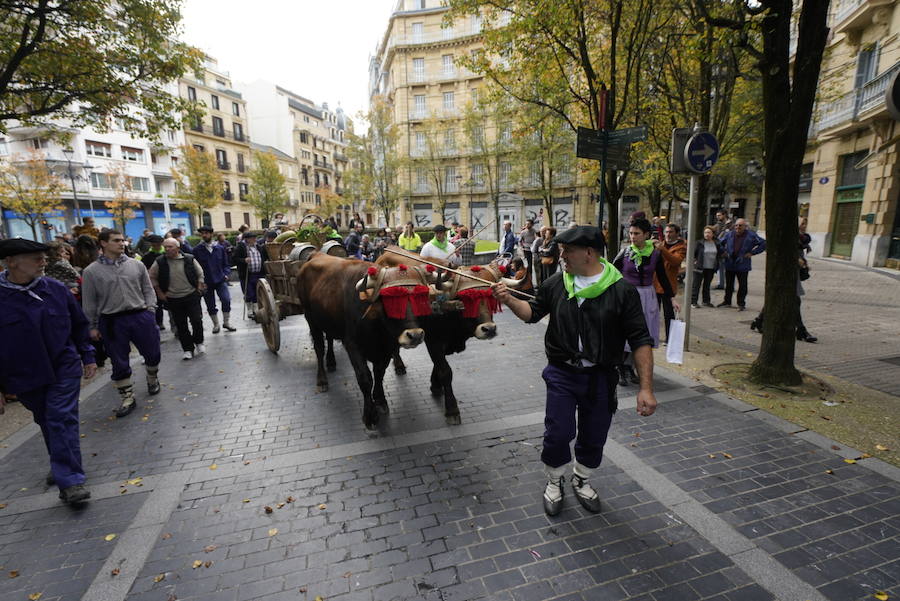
<point>215,319</point>
<point>226,317</point>
<point>153,379</point>
<point>584,492</point>
<point>126,393</point>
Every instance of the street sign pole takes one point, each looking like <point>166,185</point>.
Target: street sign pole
<point>602,195</point>
<point>689,272</point>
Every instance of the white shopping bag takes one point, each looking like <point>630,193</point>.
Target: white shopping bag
<point>675,344</point>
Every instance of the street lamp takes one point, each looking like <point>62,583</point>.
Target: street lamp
<point>69,153</point>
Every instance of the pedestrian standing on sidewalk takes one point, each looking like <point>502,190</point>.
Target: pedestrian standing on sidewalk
<point>673,250</point>
<point>44,353</point>
<point>249,264</point>
<point>640,263</point>
<point>740,244</point>
<point>722,226</point>
<point>527,237</point>
<point>178,280</point>
<point>508,241</point>
<point>148,259</point>
<point>548,252</point>
<point>593,312</point>
<point>707,256</point>
<point>213,258</point>
<point>120,305</point>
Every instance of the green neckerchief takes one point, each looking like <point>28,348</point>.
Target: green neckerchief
<point>441,245</point>
<point>638,254</point>
<point>610,276</point>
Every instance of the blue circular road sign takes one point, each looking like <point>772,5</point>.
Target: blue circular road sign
<point>701,152</point>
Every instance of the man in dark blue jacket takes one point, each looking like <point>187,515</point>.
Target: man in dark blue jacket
<point>508,243</point>
<point>740,245</point>
<point>213,258</point>
<point>44,353</point>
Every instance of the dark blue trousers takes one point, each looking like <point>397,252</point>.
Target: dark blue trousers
<point>121,331</point>
<point>55,410</point>
<point>224,296</point>
<point>571,394</point>
<point>250,288</point>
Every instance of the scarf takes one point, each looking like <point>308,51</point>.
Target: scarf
<point>5,283</point>
<point>638,254</point>
<point>610,276</point>
<point>107,261</point>
<point>440,245</point>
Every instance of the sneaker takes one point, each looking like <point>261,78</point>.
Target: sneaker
<point>709,305</point>
<point>585,494</point>
<point>216,329</point>
<point>229,328</point>
<point>75,494</point>
<point>695,306</point>
<point>199,349</point>
<point>553,496</point>
<point>125,409</point>
<point>187,355</point>
<point>153,387</point>
<point>723,304</point>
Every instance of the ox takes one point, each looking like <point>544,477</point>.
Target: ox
<point>373,310</point>
<point>468,312</point>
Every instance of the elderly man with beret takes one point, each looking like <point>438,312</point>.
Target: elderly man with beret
<point>213,258</point>
<point>593,312</point>
<point>44,350</point>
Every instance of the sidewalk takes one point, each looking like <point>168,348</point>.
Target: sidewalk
<point>709,499</point>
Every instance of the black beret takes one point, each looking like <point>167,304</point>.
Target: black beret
<point>205,228</point>
<point>439,228</point>
<point>250,234</point>
<point>154,239</point>
<point>20,246</point>
<point>582,235</point>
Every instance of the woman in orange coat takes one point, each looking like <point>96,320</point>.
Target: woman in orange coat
<point>673,250</point>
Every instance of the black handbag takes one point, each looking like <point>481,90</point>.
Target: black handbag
<point>803,270</point>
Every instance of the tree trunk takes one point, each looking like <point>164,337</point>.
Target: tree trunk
<point>787,104</point>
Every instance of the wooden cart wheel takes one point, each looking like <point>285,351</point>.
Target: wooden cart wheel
<point>267,315</point>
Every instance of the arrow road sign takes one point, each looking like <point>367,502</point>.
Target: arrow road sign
<point>701,152</point>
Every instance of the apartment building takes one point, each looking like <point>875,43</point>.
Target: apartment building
<point>415,69</point>
<point>313,135</point>
<point>289,169</point>
<point>87,165</point>
<point>850,184</point>
<point>223,131</point>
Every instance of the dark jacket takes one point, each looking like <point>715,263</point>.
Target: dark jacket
<point>214,262</point>
<point>698,254</point>
<point>509,243</point>
<point>604,323</point>
<point>190,271</point>
<point>239,256</point>
<point>150,257</point>
<point>734,258</point>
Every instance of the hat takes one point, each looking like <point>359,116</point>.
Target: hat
<point>582,235</point>
<point>205,228</point>
<point>270,234</point>
<point>154,239</point>
<point>20,246</point>
<point>439,228</point>
<point>249,234</point>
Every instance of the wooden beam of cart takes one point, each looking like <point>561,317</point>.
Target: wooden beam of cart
<point>460,273</point>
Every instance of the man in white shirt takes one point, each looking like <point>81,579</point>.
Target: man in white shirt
<point>440,248</point>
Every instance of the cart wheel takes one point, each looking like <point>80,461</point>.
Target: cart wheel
<point>267,315</point>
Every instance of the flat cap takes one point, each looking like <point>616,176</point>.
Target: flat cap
<point>582,235</point>
<point>20,246</point>
<point>249,234</point>
<point>205,228</point>
<point>439,228</point>
<point>154,239</point>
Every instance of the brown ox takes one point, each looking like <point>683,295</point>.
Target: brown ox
<point>468,312</point>
<point>373,310</point>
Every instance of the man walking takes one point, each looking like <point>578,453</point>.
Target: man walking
<point>508,242</point>
<point>593,312</point>
<point>119,303</point>
<point>673,251</point>
<point>213,258</point>
<point>178,280</point>
<point>740,245</point>
<point>45,352</point>
<point>249,262</point>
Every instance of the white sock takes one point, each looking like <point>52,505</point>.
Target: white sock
<point>553,491</point>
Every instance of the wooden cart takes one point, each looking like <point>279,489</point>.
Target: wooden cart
<point>277,295</point>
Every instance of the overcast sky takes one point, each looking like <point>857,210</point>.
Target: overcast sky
<point>319,49</point>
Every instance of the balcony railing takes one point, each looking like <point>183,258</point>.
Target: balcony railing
<point>417,114</point>
<point>227,195</point>
<point>431,37</point>
<point>853,104</point>
<point>243,196</point>
<point>220,133</point>
<point>322,164</point>
<point>224,165</point>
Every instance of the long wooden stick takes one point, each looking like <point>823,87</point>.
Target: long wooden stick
<point>460,273</point>
<point>471,238</point>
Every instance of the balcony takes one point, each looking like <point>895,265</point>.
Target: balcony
<point>418,115</point>
<point>220,133</point>
<point>855,104</point>
<point>339,156</point>
<point>223,165</point>
<point>241,168</point>
<point>322,164</point>
<point>243,196</point>
<point>854,15</point>
<point>226,195</point>
<point>434,37</point>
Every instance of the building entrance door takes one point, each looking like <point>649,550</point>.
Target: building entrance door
<point>894,248</point>
<point>846,226</point>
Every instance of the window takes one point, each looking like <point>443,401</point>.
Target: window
<point>100,180</point>
<point>325,178</point>
<point>450,140</point>
<point>534,173</point>
<point>240,162</point>
<point>192,94</point>
<point>198,147</point>
<point>247,218</point>
<point>305,119</point>
<point>135,155</point>
<point>506,133</point>
<point>221,158</point>
<point>243,190</point>
<point>421,180</point>
<point>505,170</point>
<point>304,137</point>
<point>866,65</point>
<point>4,150</point>
<point>477,175</point>
<point>304,175</point>
<point>849,176</point>
<point>419,104</point>
<point>227,220</point>
<point>476,23</point>
<point>473,94</point>
<point>218,126</point>
<point>197,124</point>
<point>226,190</point>
<point>447,65</point>
<point>418,69</point>
<point>97,149</point>
<point>419,4</point>
<point>477,137</point>
<point>236,111</point>
<point>238,131</point>
<point>318,180</point>
<point>39,143</point>
<point>215,102</point>
<point>420,141</point>
<point>450,183</point>
<point>418,33</point>
<point>449,101</point>
<point>306,154</point>
<point>140,184</point>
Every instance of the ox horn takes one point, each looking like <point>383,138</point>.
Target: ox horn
<point>511,283</point>
<point>363,284</point>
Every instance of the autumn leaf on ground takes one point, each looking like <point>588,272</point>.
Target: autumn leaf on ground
<point>213,466</point>
<point>289,500</point>
<point>35,596</point>
<point>14,574</point>
<point>167,536</point>
<point>880,447</point>
<point>864,456</point>
<point>197,563</point>
<point>109,537</point>
<point>323,506</point>
<point>115,572</point>
<point>273,531</point>
<point>159,578</point>
<point>210,548</point>
<point>134,481</point>
<point>319,598</point>
<point>711,456</point>
<point>829,471</point>
<point>279,505</point>
<point>347,574</point>
<point>302,589</point>
<point>881,596</point>
<point>268,509</point>
<point>727,456</point>
<point>206,564</point>
<point>245,501</point>
<point>2,505</point>
<point>851,461</point>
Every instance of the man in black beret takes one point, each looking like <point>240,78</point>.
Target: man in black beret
<point>593,311</point>
<point>43,368</point>
<point>249,262</point>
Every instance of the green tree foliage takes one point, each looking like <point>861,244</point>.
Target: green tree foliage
<point>29,188</point>
<point>268,193</point>
<point>198,183</point>
<point>90,61</point>
<point>432,143</point>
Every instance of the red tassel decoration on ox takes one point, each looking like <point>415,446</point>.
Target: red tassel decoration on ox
<point>372,271</point>
<point>472,299</point>
<point>430,268</point>
<point>475,268</point>
<point>394,299</point>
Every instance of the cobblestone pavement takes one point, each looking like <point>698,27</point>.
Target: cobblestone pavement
<point>239,482</point>
<point>855,312</point>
